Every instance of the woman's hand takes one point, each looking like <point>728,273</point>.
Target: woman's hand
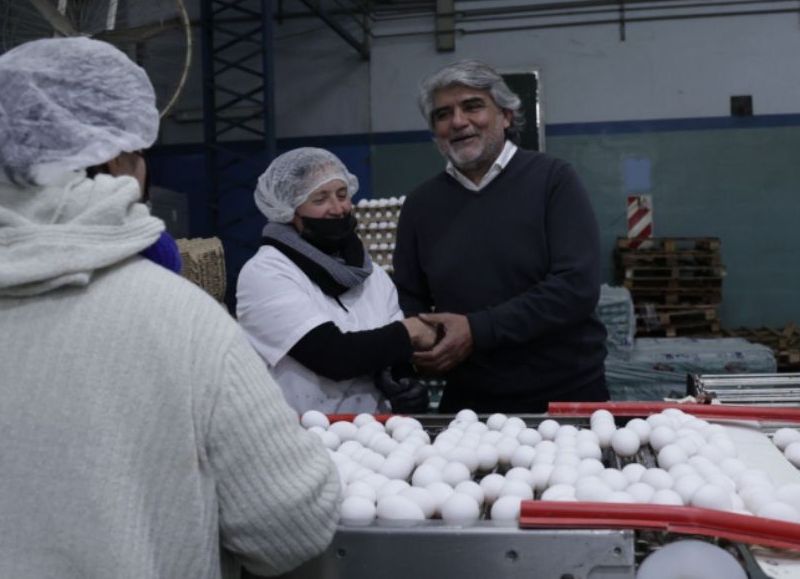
<point>422,334</point>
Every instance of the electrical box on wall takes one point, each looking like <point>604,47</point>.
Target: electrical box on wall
<point>742,106</point>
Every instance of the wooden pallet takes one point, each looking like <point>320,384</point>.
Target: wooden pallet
<point>674,315</point>
<point>672,272</point>
<point>785,343</point>
<point>689,328</point>
<point>634,258</point>
<point>670,244</point>
<point>687,298</point>
<point>667,284</point>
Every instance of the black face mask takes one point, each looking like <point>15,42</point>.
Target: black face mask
<point>329,234</point>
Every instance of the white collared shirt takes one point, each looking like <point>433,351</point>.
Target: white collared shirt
<point>499,164</point>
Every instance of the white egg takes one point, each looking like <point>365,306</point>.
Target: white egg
<point>375,480</point>
<point>505,449</point>
<point>365,435</point>
<point>330,440</point>
<point>711,452</point>
<point>725,445</point>
<point>455,472</point>
<point>712,497</point>
<point>465,456</point>
<point>666,497</point>
<point>641,428</point>
<point>567,458</point>
<point>496,421</point>
<point>471,488</point>
<point>544,458</point>
<point>392,487</point>
<point>792,453</point>
<point>633,472</point>
<point>752,477</point>
<point>516,423</point>
<point>348,447</point>
<point>477,429</point>
<point>620,497</point>
<point>397,467</point>
<point>783,437</point>
<point>529,436</point>
<point>363,418</point>
<point>357,510</point>
<point>506,509</point>
<point>566,431</point>
<point>590,466</point>
<point>604,432</point>
<point>780,511</point>
<point>548,429</point>
<point>656,420</point>
<point>687,485</point>
<point>520,473</point>
<point>360,488</point>
<point>423,498</point>
<point>491,485</point>
<point>540,475</point>
<point>398,508</point>
<point>586,435</point>
<point>564,475</point>
<point>460,509</point>
<point>441,492</point>
<point>467,416</point>
<point>491,437</point>
<point>589,449</point>
<point>755,497</point>
<point>517,488</point>
<point>641,492</point>
<point>487,456</point>
<point>625,442</point>
<point>732,466</point>
<point>690,559</point>
<point>657,478</point>
<point>344,430</point>
<point>614,479</point>
<point>592,489</point>
<point>671,455</point>
<point>661,436</point>
<point>314,418</point>
<point>392,422</point>
<point>601,415</point>
<point>722,480</point>
<point>559,492</point>
<point>523,456</point>
<point>436,460</point>
<point>426,474</point>
<point>402,432</point>
<point>681,469</point>
<point>423,453</point>
<point>372,460</point>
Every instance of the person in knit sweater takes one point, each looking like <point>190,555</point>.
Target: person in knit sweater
<point>504,247</point>
<point>142,436</point>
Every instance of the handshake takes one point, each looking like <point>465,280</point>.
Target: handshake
<point>423,334</point>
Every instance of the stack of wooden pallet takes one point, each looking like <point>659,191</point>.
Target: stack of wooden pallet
<point>784,342</point>
<point>675,283</point>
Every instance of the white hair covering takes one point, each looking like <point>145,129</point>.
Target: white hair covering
<point>293,176</point>
<point>68,104</point>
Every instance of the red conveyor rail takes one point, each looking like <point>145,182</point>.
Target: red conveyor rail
<point>674,519</point>
<point>718,411</point>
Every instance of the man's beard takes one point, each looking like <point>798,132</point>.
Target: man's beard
<point>468,161</point>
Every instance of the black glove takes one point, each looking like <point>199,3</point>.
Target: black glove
<point>406,395</point>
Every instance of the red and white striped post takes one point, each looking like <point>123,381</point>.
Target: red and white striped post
<point>640,220</point>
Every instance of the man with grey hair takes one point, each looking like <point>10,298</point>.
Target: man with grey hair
<point>503,246</point>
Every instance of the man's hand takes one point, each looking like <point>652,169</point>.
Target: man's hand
<point>453,348</point>
<point>422,334</point>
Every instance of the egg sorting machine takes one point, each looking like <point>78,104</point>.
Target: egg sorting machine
<point>490,549</point>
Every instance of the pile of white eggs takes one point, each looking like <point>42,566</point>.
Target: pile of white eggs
<point>377,225</point>
<point>476,469</point>
<point>788,441</point>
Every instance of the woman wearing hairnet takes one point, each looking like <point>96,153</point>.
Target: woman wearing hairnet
<point>142,436</point>
<point>325,320</point>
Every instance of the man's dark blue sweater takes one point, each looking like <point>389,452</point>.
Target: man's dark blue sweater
<point>521,259</point>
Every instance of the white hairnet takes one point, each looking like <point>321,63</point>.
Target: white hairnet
<point>68,104</point>
<point>293,176</point>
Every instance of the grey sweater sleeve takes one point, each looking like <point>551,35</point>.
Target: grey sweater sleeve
<point>278,490</point>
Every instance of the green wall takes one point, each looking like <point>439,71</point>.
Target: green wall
<point>741,185</point>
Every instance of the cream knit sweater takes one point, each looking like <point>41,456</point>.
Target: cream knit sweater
<point>140,435</point>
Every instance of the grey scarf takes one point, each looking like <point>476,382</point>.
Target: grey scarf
<point>330,273</point>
